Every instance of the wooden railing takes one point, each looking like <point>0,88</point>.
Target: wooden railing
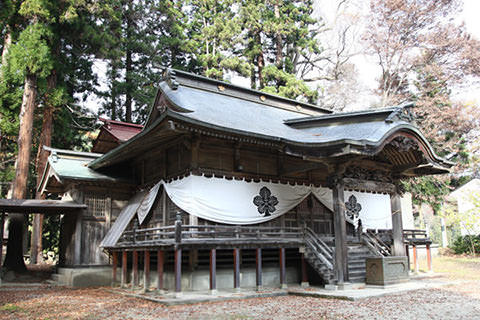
<point>189,234</point>
<point>375,243</point>
<point>416,236</point>
<point>319,248</point>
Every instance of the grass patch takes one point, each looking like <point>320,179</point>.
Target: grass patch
<point>460,267</point>
<point>10,307</point>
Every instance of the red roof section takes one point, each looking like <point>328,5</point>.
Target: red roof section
<point>122,131</point>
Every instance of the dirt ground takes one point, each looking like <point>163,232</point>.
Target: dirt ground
<point>458,301</point>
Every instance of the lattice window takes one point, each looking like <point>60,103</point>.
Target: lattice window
<point>97,204</point>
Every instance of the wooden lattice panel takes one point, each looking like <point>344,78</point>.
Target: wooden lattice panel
<point>97,204</point>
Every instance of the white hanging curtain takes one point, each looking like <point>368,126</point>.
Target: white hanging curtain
<point>376,212</point>
<point>237,201</point>
<point>147,202</point>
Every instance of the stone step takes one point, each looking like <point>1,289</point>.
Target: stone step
<point>59,279</point>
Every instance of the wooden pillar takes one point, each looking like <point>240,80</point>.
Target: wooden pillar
<point>124,269</point>
<point>178,270</point>
<point>77,249</point>
<point>415,261</point>
<point>213,270</point>
<point>304,283</point>
<point>283,280</point>
<point>407,253</point>
<point>429,258</point>
<point>397,225</point>
<point>134,269</point>
<point>114,267</point>
<point>146,270</point>
<point>340,232</point>
<point>160,263</point>
<point>258,268</point>
<point>236,269</point>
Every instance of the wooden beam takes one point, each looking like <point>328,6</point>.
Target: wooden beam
<point>236,269</point>
<point>237,165</point>
<point>178,270</point>
<point>77,258</point>
<point>124,269</point>
<point>397,225</point>
<point>114,266</point>
<point>213,270</point>
<point>160,263</point>
<point>258,268</point>
<point>283,280</point>
<point>134,269</point>
<point>340,232</point>
<point>407,253</point>
<point>429,258</point>
<point>367,185</point>
<point>195,153</point>
<point>146,270</point>
<point>415,260</point>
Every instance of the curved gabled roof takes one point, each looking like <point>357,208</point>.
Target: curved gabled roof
<point>301,128</point>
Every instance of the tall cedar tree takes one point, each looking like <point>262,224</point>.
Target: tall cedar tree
<point>48,52</point>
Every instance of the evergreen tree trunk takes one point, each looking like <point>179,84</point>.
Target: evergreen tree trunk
<point>128,80</point>
<point>14,257</point>
<point>128,66</point>
<point>278,39</point>
<point>36,248</point>
<point>260,62</point>
<point>7,41</point>
<point>113,92</point>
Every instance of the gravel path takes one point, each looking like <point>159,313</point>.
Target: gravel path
<point>460,301</point>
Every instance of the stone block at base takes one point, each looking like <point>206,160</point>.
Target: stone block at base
<point>85,277</point>
<point>387,270</point>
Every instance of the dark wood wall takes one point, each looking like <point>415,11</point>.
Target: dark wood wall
<point>82,234</point>
<point>202,154</point>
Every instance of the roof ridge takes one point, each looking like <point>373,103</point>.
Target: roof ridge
<point>175,77</point>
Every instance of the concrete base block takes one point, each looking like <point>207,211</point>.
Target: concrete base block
<point>213,292</point>
<point>283,286</point>
<point>348,286</point>
<point>332,287</point>
<point>387,270</point>
<point>304,284</point>
<point>259,288</point>
<point>178,295</point>
<point>85,277</point>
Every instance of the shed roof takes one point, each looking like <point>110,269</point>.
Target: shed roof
<point>40,206</point>
<point>72,165</point>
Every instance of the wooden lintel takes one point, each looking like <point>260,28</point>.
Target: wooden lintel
<point>370,186</point>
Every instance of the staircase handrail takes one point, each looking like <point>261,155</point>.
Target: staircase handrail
<point>319,248</point>
<point>375,244</point>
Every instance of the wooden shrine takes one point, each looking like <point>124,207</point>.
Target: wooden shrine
<point>177,197</point>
